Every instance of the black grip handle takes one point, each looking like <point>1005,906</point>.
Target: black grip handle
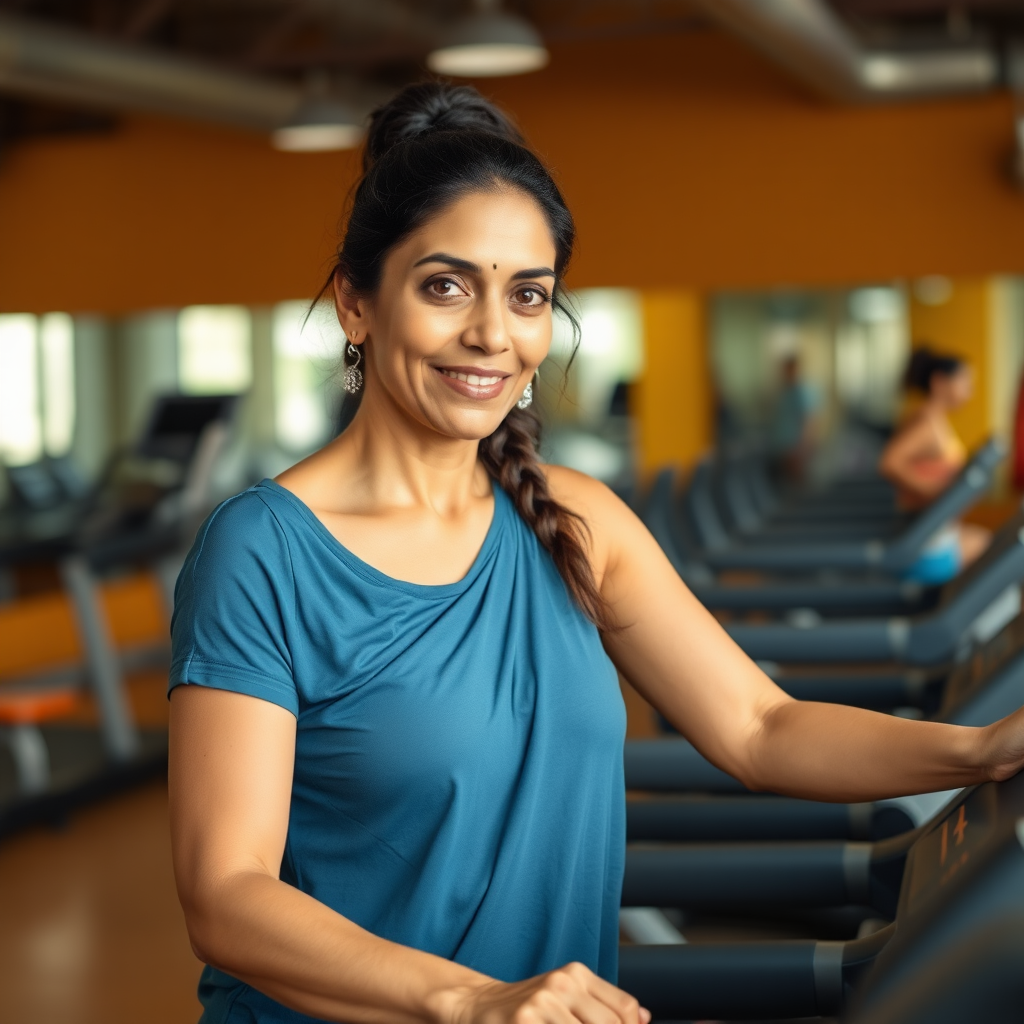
<point>669,766</point>
<point>731,876</point>
<point>740,819</point>
<point>723,981</point>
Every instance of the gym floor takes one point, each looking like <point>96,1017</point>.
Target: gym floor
<point>91,931</point>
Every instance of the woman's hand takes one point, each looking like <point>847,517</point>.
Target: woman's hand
<point>1003,746</point>
<point>570,995</point>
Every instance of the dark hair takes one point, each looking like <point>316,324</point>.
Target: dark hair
<point>924,364</point>
<point>428,147</point>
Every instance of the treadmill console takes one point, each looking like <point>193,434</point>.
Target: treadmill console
<point>963,875</point>
<point>941,856</point>
<point>976,672</point>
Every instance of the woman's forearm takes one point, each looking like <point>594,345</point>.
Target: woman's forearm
<point>834,752</point>
<point>302,954</point>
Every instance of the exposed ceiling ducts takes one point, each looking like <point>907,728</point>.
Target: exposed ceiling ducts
<point>69,66</point>
<point>195,65</point>
<point>809,40</point>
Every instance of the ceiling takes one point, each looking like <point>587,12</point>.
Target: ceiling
<point>387,40</point>
<point>927,21</point>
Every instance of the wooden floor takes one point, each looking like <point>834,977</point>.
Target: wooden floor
<point>90,928</point>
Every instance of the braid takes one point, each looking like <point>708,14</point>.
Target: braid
<point>510,456</point>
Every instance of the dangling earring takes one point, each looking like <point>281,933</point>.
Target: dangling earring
<point>353,380</point>
<point>527,400</point>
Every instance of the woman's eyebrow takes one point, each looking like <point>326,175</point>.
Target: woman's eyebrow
<point>457,263</point>
<point>448,260</point>
<point>522,275</point>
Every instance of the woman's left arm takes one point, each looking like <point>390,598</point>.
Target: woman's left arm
<point>680,659</point>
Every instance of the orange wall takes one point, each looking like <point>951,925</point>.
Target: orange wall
<point>672,400</point>
<point>965,325</point>
<point>688,161</point>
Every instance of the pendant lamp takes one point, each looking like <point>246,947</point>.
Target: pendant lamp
<point>489,43</point>
<point>321,123</point>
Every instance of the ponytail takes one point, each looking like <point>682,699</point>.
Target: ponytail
<point>924,364</point>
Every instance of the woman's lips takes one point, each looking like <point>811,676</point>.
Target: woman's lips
<point>473,385</point>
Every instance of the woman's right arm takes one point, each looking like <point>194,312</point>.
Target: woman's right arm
<point>230,778</point>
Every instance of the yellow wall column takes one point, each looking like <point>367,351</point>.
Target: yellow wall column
<point>673,402</point>
<point>973,322</point>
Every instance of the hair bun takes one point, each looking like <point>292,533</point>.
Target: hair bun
<point>433,106</point>
<point>924,363</point>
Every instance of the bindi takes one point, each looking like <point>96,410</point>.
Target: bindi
<point>495,266</point>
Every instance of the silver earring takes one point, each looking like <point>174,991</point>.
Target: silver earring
<point>527,400</point>
<point>353,380</point>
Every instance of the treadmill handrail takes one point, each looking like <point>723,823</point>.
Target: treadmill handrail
<point>886,554</point>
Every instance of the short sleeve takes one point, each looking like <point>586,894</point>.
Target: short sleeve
<point>233,605</point>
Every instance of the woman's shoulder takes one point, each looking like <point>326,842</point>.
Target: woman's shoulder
<point>576,490</point>
<point>609,519</point>
<point>246,525</point>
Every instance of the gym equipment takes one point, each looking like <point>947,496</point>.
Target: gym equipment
<point>953,884</point>
<point>144,510</point>
<point>981,691</point>
<point>752,509</point>
<point>825,592</point>
<point>973,606</point>
<point>888,553</point>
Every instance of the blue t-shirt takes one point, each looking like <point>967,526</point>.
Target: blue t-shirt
<point>458,766</point>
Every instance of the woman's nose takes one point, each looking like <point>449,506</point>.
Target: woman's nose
<point>488,332</point>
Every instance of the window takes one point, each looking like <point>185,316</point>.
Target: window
<point>57,348</point>
<point>214,350</point>
<point>307,361</point>
<point>37,386</point>
<point>610,348</point>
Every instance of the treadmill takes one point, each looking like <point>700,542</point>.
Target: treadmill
<point>695,801</point>
<point>977,603</point>
<point>144,511</point>
<point>955,888</point>
<point>885,552</point>
<point>826,591</point>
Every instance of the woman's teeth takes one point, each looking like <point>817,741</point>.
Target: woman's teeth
<point>471,378</point>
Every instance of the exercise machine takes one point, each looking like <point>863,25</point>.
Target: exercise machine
<point>954,886</point>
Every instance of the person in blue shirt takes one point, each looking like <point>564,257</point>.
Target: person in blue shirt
<point>791,430</point>
<point>396,728</point>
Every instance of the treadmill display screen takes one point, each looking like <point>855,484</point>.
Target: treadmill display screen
<point>945,852</point>
<point>983,664</point>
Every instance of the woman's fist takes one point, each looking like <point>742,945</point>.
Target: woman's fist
<point>570,995</point>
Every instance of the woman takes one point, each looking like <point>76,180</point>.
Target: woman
<point>396,728</point>
<point>925,454</point>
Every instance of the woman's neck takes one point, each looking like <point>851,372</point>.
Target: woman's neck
<point>384,458</point>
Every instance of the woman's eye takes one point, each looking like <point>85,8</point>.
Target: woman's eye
<point>443,287</point>
<point>531,297</point>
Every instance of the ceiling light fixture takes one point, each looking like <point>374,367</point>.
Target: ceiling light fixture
<point>489,44</point>
<point>321,123</point>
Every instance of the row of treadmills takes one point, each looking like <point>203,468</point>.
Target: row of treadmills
<point>141,514</point>
<point>909,911</point>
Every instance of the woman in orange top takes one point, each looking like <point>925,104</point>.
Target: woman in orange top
<point>925,454</point>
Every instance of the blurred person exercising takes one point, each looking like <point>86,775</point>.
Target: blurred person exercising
<point>925,454</point>
<point>792,427</point>
<point>396,779</point>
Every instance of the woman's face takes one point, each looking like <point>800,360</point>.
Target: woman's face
<point>954,389</point>
<point>462,318</point>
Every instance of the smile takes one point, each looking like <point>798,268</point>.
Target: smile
<point>477,386</point>
<point>472,378</point>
